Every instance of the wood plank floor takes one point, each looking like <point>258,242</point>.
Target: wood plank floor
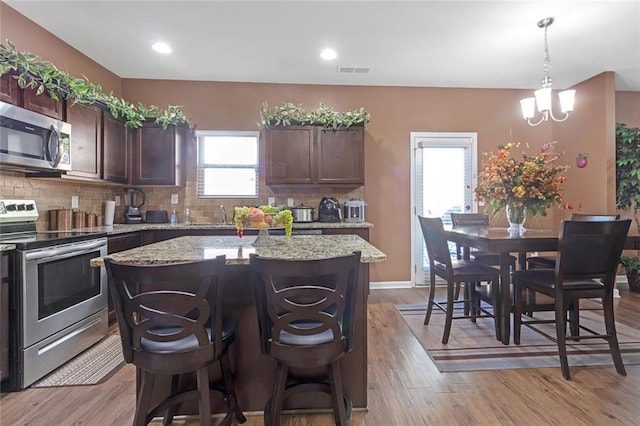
<point>405,388</point>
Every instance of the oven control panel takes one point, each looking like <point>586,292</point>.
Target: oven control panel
<point>18,211</point>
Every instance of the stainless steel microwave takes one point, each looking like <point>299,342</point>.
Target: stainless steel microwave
<point>30,141</point>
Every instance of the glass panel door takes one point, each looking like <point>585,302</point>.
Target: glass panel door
<point>443,178</point>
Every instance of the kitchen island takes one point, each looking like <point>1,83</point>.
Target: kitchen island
<point>254,371</point>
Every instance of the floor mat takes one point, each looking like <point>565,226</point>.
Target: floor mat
<point>91,367</point>
<point>473,346</point>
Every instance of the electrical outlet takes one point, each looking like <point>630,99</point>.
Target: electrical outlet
<point>174,198</point>
<point>117,200</point>
<point>74,201</point>
<point>289,202</point>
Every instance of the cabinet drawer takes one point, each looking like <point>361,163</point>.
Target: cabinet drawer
<point>123,242</point>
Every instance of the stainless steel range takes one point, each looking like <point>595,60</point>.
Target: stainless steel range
<point>58,302</point>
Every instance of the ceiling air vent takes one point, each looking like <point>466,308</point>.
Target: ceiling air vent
<point>353,70</point>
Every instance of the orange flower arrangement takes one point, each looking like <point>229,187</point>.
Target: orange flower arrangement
<point>534,182</point>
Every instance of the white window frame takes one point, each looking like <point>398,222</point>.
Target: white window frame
<point>200,135</point>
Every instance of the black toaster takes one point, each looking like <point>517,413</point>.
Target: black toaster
<point>157,216</point>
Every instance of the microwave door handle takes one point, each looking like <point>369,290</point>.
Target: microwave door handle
<point>53,143</point>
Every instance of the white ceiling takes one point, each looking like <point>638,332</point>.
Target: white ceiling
<point>481,44</point>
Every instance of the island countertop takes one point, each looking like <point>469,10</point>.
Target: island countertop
<point>237,250</point>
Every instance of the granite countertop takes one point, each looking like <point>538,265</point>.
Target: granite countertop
<point>124,228</point>
<point>237,250</point>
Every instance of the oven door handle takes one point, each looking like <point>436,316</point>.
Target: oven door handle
<point>68,250</point>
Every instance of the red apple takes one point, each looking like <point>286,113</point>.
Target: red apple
<point>581,161</point>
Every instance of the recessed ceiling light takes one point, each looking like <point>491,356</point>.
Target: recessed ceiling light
<point>162,47</point>
<point>328,54</point>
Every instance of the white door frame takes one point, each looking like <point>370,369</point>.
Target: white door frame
<point>438,138</point>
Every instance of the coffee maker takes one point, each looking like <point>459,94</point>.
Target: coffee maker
<point>134,199</point>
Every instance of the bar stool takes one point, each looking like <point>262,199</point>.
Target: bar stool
<point>305,316</point>
<point>171,322</point>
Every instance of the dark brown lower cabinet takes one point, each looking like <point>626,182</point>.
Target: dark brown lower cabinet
<point>118,243</point>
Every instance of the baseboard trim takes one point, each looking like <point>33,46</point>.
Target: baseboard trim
<point>389,284</point>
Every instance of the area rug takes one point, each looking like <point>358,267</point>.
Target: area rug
<point>473,346</point>
<point>93,366</point>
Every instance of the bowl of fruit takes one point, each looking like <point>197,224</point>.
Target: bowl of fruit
<point>262,218</point>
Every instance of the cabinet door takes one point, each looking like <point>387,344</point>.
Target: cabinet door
<point>86,140</point>
<point>115,244</point>
<point>114,149</point>
<point>158,156</point>
<point>9,90</point>
<point>43,104</point>
<point>341,156</point>
<point>290,155</point>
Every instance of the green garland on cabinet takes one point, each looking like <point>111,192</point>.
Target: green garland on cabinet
<point>43,76</point>
<point>325,116</point>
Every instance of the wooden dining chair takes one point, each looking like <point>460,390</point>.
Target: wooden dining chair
<point>470,272</point>
<point>587,262</point>
<point>549,262</point>
<point>476,220</point>
<point>171,323</point>
<point>306,311</point>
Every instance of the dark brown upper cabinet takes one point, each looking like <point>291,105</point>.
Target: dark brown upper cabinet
<point>86,140</point>
<point>341,156</point>
<point>115,153</point>
<point>11,93</point>
<point>311,155</point>
<point>290,155</point>
<point>9,90</point>
<point>43,104</point>
<point>158,155</point>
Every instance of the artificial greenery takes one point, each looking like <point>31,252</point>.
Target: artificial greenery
<point>325,116</point>
<point>42,76</point>
<point>630,263</point>
<point>628,169</point>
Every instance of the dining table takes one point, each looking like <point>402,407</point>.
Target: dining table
<point>501,241</point>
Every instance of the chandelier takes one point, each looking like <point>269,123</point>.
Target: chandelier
<point>543,96</point>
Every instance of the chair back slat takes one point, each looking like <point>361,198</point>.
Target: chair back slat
<point>469,219</point>
<point>167,302</point>
<point>590,250</point>
<point>306,297</point>
<point>595,217</point>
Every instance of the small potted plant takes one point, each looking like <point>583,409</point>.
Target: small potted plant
<point>631,266</point>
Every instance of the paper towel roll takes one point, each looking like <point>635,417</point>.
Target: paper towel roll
<point>109,210</point>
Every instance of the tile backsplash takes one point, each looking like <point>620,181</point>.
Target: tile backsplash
<point>56,193</point>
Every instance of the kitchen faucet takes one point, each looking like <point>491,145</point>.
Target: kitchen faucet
<point>223,212</point>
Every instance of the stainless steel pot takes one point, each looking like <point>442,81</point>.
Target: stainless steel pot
<point>303,213</point>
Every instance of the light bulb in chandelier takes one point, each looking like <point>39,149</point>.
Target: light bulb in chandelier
<point>543,96</point>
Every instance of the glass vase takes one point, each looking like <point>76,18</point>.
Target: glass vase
<point>516,215</point>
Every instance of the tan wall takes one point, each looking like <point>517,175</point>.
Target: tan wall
<point>396,111</point>
<point>628,108</point>
<point>591,130</point>
<point>628,112</point>
<point>27,36</point>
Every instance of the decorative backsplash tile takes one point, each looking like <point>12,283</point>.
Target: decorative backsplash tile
<point>56,193</point>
